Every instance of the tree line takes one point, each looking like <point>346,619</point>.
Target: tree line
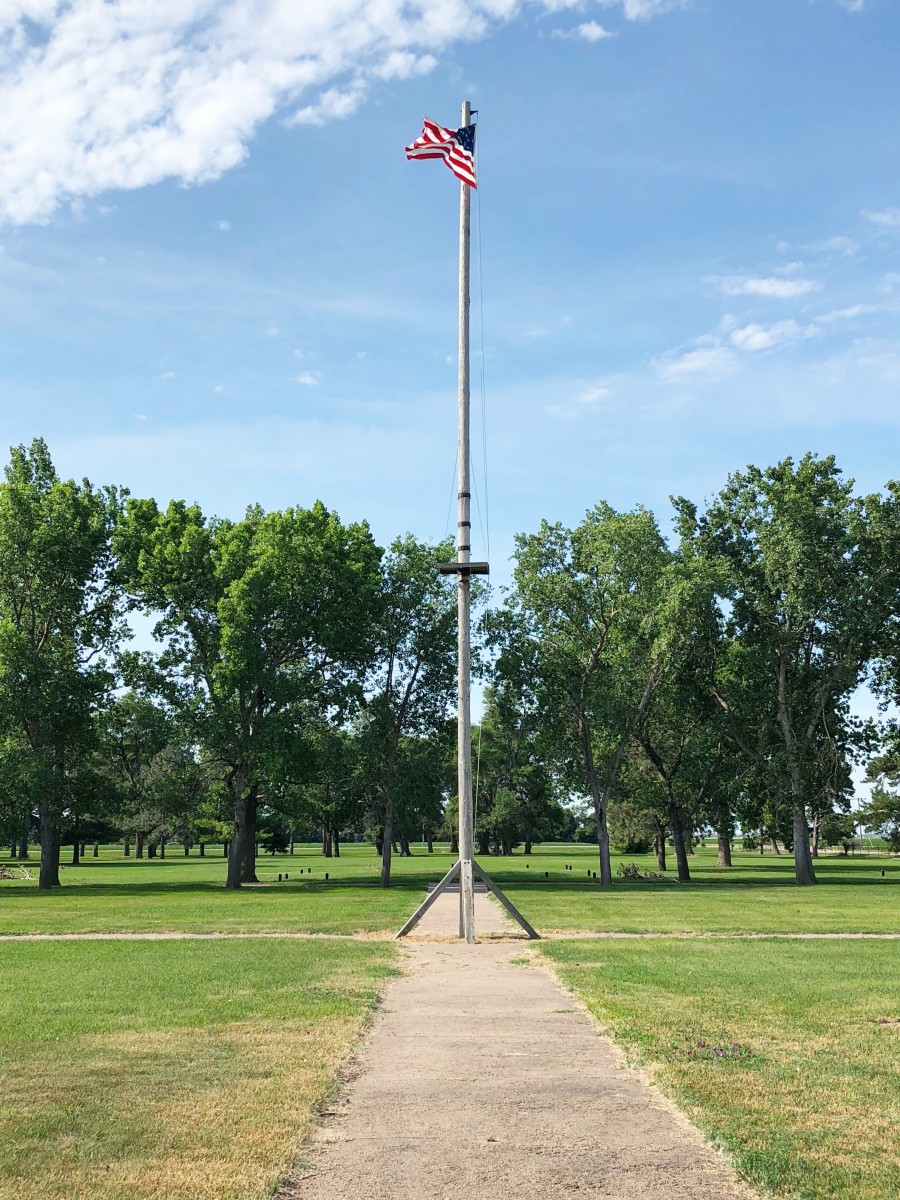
<point>303,678</point>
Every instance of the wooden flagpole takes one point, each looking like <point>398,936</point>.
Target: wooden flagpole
<point>463,580</point>
<point>463,568</point>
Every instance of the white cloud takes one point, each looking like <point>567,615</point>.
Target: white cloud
<point>837,245</point>
<point>593,395</point>
<point>167,375</point>
<point>779,289</point>
<point>97,95</point>
<point>588,31</point>
<point>765,337</point>
<point>225,226</point>
<point>272,331</point>
<point>712,361</point>
<point>307,378</point>
<point>887,218</point>
<point>640,10</point>
<point>852,5</point>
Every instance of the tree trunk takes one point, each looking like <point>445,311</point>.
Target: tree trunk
<point>187,849</point>
<point>659,839</point>
<point>430,844</point>
<point>803,867</point>
<point>379,842</point>
<point>454,842</point>
<point>96,853</point>
<point>49,873</point>
<point>724,843</point>
<point>151,849</point>
<point>76,852</point>
<point>774,841</point>
<point>26,830</point>
<point>291,851</point>
<point>326,841</point>
<point>203,849</point>
<point>817,824</point>
<point>600,802</point>
<point>681,858</point>
<point>405,851</point>
<point>242,847</point>
<point>336,835</point>
<point>527,845</point>
<point>762,841</point>
<point>139,846</point>
<point>126,849</point>
<point>388,832</point>
<point>226,848</point>
<point>484,842</point>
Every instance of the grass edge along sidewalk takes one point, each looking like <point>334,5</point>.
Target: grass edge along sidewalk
<point>171,1069</point>
<point>786,1054</point>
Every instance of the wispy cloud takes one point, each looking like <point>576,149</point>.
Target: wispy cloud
<point>770,286</point>
<point>766,337</point>
<point>887,218</point>
<point>588,31</point>
<point>710,361</point>
<point>641,10</point>
<point>307,378</point>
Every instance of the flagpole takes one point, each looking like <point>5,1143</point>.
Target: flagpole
<point>463,578</point>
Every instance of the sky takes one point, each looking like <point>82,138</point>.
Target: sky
<point>221,280</point>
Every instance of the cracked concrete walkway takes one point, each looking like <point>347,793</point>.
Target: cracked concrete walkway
<point>482,1080</point>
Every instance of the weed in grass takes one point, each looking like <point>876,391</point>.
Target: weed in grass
<point>693,1048</point>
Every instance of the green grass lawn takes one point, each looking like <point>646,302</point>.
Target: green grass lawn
<point>113,893</point>
<point>786,1053</point>
<point>184,1071</point>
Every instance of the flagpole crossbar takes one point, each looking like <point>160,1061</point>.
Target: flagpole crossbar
<point>463,568</point>
<point>444,886</point>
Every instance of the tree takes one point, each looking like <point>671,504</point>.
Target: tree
<point>133,731</point>
<point>412,683</point>
<point>59,613</point>
<point>881,815</point>
<point>677,729</point>
<point>808,598</point>
<point>261,620</point>
<point>582,632</point>
<point>516,792</point>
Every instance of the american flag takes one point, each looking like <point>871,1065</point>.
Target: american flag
<point>455,147</point>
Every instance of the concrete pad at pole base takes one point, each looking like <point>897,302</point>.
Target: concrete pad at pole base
<point>481,1079</point>
<point>442,919</point>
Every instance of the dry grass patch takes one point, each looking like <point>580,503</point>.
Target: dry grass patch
<point>136,1097</point>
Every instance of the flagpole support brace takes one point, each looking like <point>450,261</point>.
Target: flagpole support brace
<point>448,879</point>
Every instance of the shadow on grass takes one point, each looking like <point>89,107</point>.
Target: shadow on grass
<point>771,875</point>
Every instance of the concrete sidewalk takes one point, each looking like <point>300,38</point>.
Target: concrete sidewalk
<point>482,1080</point>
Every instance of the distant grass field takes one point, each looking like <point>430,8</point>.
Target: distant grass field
<point>184,1071</point>
<point>113,894</point>
<point>786,1053</point>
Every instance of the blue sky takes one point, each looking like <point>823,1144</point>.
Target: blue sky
<point>222,280</point>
